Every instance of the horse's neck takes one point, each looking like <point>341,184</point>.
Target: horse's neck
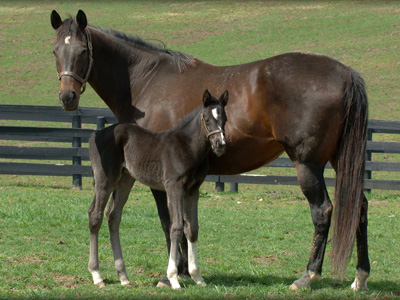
<point>195,135</point>
<point>117,66</point>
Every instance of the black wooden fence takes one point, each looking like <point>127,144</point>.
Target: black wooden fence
<point>75,136</point>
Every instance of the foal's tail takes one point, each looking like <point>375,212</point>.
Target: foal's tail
<point>350,172</point>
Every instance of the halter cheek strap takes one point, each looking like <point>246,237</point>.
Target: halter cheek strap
<point>209,133</point>
<point>77,77</point>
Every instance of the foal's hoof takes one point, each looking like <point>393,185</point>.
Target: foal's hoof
<point>164,283</point>
<point>100,284</point>
<point>294,287</point>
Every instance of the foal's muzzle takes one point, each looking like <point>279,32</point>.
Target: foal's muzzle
<point>219,145</point>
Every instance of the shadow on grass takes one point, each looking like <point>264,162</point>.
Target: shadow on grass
<point>235,280</point>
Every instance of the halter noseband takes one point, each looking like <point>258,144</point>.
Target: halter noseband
<point>209,133</point>
<point>77,77</point>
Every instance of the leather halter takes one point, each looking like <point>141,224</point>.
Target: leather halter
<point>209,133</point>
<point>77,77</point>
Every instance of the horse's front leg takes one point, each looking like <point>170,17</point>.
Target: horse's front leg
<point>191,229</point>
<point>114,214</point>
<point>175,197</point>
<point>96,212</point>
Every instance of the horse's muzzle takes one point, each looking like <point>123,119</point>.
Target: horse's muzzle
<point>69,100</point>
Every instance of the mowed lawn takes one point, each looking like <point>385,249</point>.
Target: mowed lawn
<point>253,244</point>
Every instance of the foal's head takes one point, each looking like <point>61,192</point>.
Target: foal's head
<point>214,119</point>
<point>73,52</point>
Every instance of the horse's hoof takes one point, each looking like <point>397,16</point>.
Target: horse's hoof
<point>201,283</point>
<point>101,284</point>
<point>164,283</point>
<point>294,287</point>
<point>126,283</point>
<point>360,283</point>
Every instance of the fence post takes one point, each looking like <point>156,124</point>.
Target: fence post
<point>100,122</point>
<point>76,160</point>
<point>219,186</point>
<point>234,187</point>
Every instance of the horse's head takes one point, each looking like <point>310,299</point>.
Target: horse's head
<point>73,52</point>
<point>214,118</point>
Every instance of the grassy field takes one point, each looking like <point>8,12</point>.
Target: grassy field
<point>252,244</point>
<point>362,34</point>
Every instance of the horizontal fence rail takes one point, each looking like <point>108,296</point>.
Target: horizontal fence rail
<point>75,152</point>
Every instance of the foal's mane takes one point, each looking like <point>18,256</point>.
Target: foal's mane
<point>188,118</point>
<point>193,114</point>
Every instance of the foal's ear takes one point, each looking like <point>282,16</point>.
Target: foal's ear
<point>55,19</point>
<point>206,96</point>
<point>224,97</point>
<point>81,20</point>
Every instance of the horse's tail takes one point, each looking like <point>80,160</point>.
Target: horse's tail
<point>349,172</point>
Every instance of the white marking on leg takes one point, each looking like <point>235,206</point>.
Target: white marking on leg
<point>360,283</point>
<point>172,274</point>
<point>305,280</point>
<point>66,41</point>
<point>194,270</point>
<point>97,280</point>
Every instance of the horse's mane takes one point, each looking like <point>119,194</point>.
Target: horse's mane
<point>182,60</point>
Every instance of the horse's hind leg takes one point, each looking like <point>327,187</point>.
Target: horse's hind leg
<point>96,213</point>
<point>312,183</point>
<point>191,230</point>
<point>114,213</point>
<point>363,265</point>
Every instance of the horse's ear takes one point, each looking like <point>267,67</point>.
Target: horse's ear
<point>55,19</point>
<point>206,96</point>
<point>81,20</point>
<point>224,97</point>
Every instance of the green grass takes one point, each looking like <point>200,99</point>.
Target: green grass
<point>252,244</point>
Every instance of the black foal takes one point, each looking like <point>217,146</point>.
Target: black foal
<point>174,161</point>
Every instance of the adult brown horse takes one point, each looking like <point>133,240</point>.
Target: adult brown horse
<point>311,106</point>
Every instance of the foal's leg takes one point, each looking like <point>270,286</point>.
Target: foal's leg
<point>162,208</point>
<point>175,197</point>
<point>114,213</point>
<point>191,230</point>
<point>363,266</point>
<point>96,213</point>
<point>312,183</point>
